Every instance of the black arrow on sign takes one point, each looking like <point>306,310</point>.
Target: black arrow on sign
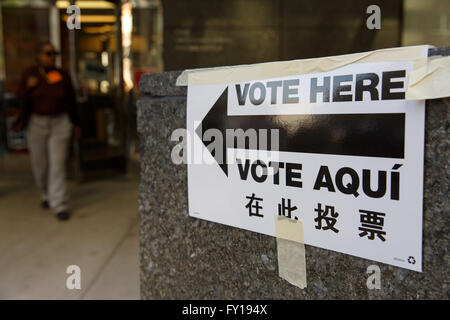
<point>361,134</point>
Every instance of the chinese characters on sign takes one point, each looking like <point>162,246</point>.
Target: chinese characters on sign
<point>371,222</point>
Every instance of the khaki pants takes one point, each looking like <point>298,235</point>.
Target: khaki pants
<point>48,140</point>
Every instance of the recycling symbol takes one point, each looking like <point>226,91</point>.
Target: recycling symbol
<point>411,260</point>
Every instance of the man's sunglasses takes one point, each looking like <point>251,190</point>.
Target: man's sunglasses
<point>50,53</point>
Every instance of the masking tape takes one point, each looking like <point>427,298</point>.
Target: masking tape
<point>182,79</point>
<point>289,229</point>
<point>268,70</point>
<point>291,251</point>
<point>427,80</point>
<point>431,80</point>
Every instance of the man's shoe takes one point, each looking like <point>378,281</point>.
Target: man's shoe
<point>44,204</point>
<point>62,216</point>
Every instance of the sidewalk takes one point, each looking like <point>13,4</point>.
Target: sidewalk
<point>101,238</point>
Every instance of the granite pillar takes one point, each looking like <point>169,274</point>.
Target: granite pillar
<point>187,258</point>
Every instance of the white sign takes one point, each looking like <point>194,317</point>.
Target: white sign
<point>349,163</point>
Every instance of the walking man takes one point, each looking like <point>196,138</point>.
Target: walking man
<point>48,113</point>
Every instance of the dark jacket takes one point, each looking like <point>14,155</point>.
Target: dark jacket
<point>51,99</point>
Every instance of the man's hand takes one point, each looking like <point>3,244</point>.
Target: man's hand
<point>32,82</point>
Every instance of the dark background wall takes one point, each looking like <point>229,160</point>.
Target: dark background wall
<point>23,29</point>
<point>207,33</point>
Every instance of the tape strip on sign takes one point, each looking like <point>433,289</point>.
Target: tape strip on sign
<point>289,229</point>
<point>291,253</point>
<point>295,67</point>
<point>182,79</point>
<point>430,81</point>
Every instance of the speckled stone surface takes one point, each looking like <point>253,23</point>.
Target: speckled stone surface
<point>162,84</point>
<point>187,258</point>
